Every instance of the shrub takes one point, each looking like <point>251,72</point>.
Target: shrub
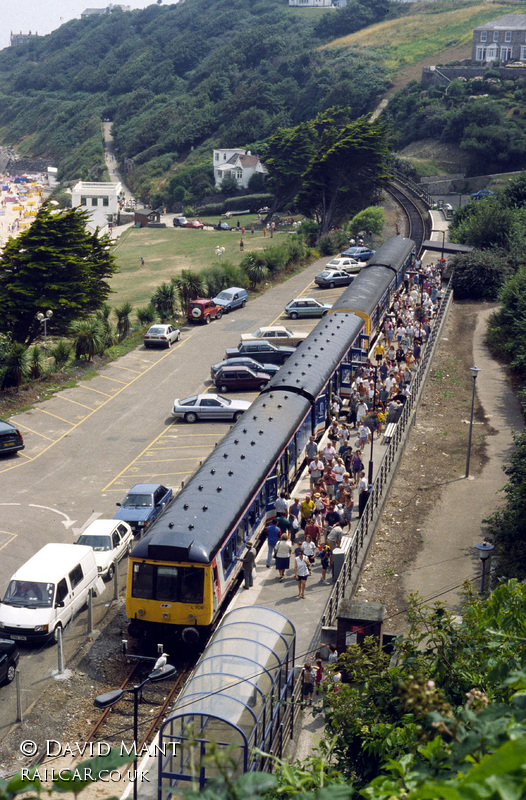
<point>15,366</point>
<point>479,275</point>
<point>328,245</point>
<point>61,353</point>
<point>146,315</point>
<point>252,201</point>
<point>276,258</point>
<point>36,361</point>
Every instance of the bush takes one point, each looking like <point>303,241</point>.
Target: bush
<point>220,277</point>
<point>276,258</point>
<point>328,245</point>
<point>479,275</point>
<point>252,201</point>
<point>309,231</point>
<point>210,210</point>
<point>61,353</point>
<point>146,315</point>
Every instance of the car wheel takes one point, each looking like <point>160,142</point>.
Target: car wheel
<point>324,313</point>
<point>219,315</point>
<point>332,285</point>
<point>208,320</point>
<point>177,337</point>
<point>190,417</point>
<point>227,310</point>
<point>294,315</point>
<point>11,671</point>
<point>110,573</point>
<point>130,547</point>
<point>237,415</point>
<point>262,386</point>
<point>168,344</point>
<point>146,346</point>
<point>223,388</point>
<point>243,304</point>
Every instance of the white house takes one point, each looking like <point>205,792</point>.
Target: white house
<point>92,195</point>
<point>240,164</point>
<point>312,3</point>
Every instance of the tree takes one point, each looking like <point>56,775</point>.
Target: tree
<point>164,301</point>
<point>480,274</point>
<point>370,220</point>
<point>88,337</point>
<point>484,223</point>
<point>15,367</point>
<point>189,284</point>
<point>254,266</point>
<point>58,265</point>
<point>123,319</point>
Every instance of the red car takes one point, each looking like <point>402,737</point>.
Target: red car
<point>194,223</point>
<point>203,310</point>
<point>229,379</point>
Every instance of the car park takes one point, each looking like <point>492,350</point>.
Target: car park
<point>230,379</point>
<point>244,361</point>
<point>359,253</point>
<point>180,222</point>
<point>231,298</point>
<point>482,193</point>
<point>277,334</point>
<point>264,352</point>
<point>162,335</point>
<point>347,263</point>
<point>306,307</point>
<point>9,657</point>
<point>330,278</point>
<point>143,503</point>
<point>11,439</point>
<point>223,226</point>
<point>203,310</point>
<point>194,223</point>
<point>111,540</point>
<point>209,406</point>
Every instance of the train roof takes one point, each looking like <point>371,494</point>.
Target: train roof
<point>372,281</point>
<point>215,498</point>
<point>315,359</point>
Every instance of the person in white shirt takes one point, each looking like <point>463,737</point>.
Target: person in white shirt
<point>301,571</point>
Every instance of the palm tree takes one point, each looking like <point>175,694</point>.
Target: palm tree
<point>146,315</point>
<point>255,268</point>
<point>88,337</point>
<point>123,319</point>
<point>36,361</point>
<point>61,353</point>
<point>15,365</point>
<point>189,284</point>
<point>164,300</point>
<point>103,314</point>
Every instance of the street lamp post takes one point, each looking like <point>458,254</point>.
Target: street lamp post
<point>108,699</point>
<point>484,550</point>
<point>219,252</point>
<point>44,319</point>
<point>474,372</point>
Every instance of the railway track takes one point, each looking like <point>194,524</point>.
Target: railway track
<point>416,223</point>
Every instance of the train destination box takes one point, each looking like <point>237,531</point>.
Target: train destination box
<point>357,619</point>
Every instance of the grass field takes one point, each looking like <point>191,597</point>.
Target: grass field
<point>427,30</point>
<point>166,251</point>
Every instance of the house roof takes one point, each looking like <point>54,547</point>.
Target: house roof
<point>244,160</point>
<point>507,22</point>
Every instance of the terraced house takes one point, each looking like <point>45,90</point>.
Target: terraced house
<point>502,39</point>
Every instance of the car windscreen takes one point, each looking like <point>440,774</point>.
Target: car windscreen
<point>324,274</point>
<point>224,296</point>
<point>99,543</point>
<point>30,594</point>
<point>138,501</point>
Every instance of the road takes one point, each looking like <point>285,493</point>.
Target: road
<point>86,446</point>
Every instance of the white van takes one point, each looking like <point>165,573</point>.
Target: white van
<point>45,593</point>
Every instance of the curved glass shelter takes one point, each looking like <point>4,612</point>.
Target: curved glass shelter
<point>235,698</point>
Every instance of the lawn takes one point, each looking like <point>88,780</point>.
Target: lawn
<point>166,251</point>
<point>427,30</point>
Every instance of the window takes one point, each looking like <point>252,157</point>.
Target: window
<point>228,558</point>
<point>505,53</point>
<point>105,201</point>
<point>166,583</point>
<point>115,539</point>
<point>94,201</point>
<point>483,36</point>
<point>62,591</point>
<point>480,54</point>
<point>142,581</point>
<point>216,156</point>
<point>523,53</point>
<point>75,576</point>
<point>495,36</point>
<point>507,36</point>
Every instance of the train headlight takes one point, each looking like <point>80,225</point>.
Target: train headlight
<point>141,612</point>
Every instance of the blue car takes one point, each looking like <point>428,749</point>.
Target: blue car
<point>143,503</point>
<point>359,253</point>
<point>481,194</point>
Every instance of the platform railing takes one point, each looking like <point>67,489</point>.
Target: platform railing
<point>350,572</point>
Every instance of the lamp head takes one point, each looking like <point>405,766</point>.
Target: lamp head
<point>108,698</point>
<point>474,372</point>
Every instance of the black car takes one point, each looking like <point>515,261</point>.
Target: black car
<point>9,656</point>
<point>244,361</point>
<point>230,379</point>
<point>10,438</point>
<point>263,352</point>
<point>223,226</point>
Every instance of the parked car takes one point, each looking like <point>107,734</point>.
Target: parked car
<point>163,335</point>
<point>143,503</point>
<point>261,351</point>
<point>348,264</point>
<point>194,223</point>
<point>180,222</point>
<point>10,438</point>
<point>9,657</point>
<point>223,226</point>
<point>330,278</point>
<point>244,361</point>
<point>230,379</point>
<point>277,334</point>
<point>306,307</point>
<point>208,406</point>
<point>359,253</point>
<point>203,310</point>
<point>482,193</point>
<point>228,299</point>
<point>111,540</point>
